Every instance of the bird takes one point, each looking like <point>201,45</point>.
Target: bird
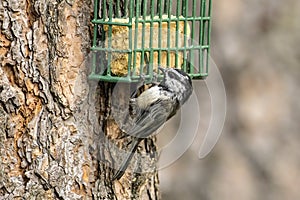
<point>154,106</point>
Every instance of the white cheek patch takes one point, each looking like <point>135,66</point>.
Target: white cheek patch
<point>177,85</point>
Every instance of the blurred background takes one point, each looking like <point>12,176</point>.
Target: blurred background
<point>256,46</point>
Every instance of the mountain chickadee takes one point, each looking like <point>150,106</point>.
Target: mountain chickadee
<point>155,106</point>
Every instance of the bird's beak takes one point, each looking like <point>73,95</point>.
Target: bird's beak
<point>163,70</point>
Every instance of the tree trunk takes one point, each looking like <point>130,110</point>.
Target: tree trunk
<point>57,128</point>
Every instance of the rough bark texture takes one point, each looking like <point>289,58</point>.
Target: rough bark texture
<point>54,123</point>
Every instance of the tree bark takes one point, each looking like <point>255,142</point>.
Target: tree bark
<point>57,128</point>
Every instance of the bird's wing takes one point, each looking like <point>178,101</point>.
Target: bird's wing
<point>150,119</point>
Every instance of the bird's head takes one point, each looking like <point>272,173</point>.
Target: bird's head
<point>177,81</point>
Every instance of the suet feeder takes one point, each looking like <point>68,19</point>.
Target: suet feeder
<point>132,38</point>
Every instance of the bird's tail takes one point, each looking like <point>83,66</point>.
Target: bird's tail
<point>127,159</point>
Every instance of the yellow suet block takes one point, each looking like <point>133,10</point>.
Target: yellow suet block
<point>120,41</point>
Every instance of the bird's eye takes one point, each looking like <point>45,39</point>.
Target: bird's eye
<point>171,75</point>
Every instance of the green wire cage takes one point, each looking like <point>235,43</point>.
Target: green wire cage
<point>132,38</point>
